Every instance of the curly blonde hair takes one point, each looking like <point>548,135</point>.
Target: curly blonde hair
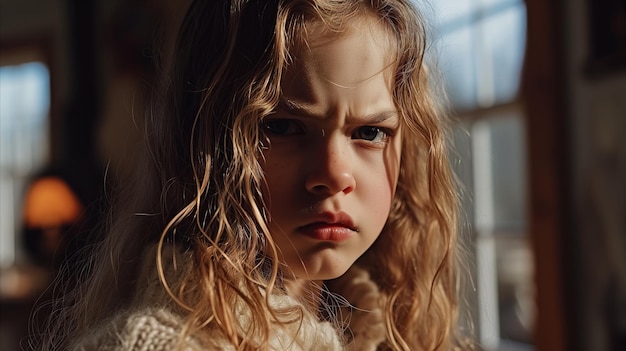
<point>201,187</point>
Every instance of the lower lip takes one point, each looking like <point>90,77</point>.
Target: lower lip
<point>327,232</point>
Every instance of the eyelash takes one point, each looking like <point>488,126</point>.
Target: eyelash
<point>268,124</point>
<point>386,133</point>
<point>286,127</point>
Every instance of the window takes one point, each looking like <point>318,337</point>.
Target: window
<point>24,142</point>
<point>480,48</point>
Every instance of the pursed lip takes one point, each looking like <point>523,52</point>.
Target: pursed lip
<point>330,226</point>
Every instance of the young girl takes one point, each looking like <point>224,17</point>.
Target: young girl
<point>296,196</point>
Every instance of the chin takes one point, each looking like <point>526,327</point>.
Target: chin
<point>324,270</point>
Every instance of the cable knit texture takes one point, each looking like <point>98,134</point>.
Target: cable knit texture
<point>155,323</point>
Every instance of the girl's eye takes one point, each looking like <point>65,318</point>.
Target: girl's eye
<point>373,134</point>
<point>281,127</point>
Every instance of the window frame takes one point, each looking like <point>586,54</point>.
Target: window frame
<point>35,48</point>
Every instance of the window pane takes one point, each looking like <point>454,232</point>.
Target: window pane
<point>25,96</point>
<point>486,4</point>
<point>481,50</point>
<point>499,173</point>
<point>516,294</point>
<point>456,62</point>
<point>508,173</point>
<point>447,11</point>
<point>504,40</point>
<point>25,101</point>
<point>503,256</point>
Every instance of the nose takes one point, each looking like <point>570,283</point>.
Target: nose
<point>330,170</point>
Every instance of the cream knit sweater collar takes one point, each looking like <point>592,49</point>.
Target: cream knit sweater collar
<point>152,323</point>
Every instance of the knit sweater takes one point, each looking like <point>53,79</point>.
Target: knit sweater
<point>153,321</point>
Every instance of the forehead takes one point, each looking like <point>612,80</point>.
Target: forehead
<point>358,50</point>
<point>318,32</point>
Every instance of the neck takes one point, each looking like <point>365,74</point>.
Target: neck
<point>306,291</point>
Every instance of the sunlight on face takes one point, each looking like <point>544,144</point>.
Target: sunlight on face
<point>333,160</point>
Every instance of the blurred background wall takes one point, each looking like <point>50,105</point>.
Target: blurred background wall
<point>538,89</point>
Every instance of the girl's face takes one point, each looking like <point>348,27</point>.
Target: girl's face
<point>334,154</point>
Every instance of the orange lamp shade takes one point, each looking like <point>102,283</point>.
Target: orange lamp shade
<point>50,203</point>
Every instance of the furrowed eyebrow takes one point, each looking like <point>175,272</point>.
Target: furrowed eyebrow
<point>374,118</point>
<point>295,108</point>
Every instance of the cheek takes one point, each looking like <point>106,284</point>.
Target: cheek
<point>378,198</point>
<point>376,189</point>
<point>381,174</point>
<point>280,176</point>
<point>386,179</point>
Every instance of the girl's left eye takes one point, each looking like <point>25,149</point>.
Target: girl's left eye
<point>369,133</point>
<point>281,127</point>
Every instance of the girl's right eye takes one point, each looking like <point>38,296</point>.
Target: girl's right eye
<point>282,127</point>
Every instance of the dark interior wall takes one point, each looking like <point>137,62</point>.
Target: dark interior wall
<point>595,42</point>
<point>102,64</point>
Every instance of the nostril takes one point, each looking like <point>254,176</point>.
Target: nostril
<point>320,189</point>
<point>332,185</point>
<point>348,189</point>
